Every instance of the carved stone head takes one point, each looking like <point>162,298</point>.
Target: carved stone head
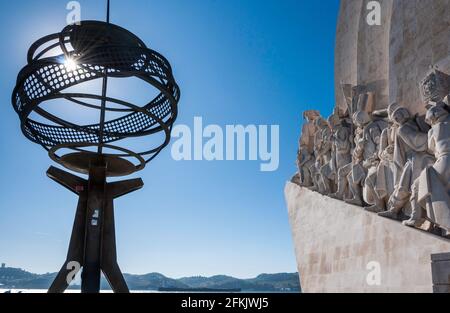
<point>321,123</point>
<point>391,109</point>
<point>311,115</point>
<point>401,116</point>
<point>361,119</point>
<point>340,112</point>
<point>436,113</point>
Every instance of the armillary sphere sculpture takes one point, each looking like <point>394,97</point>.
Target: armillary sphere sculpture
<point>60,68</point>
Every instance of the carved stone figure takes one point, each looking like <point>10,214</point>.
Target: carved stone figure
<point>322,150</point>
<point>358,100</point>
<point>431,191</point>
<point>340,149</point>
<point>306,167</point>
<point>342,137</point>
<point>356,172</point>
<point>355,96</point>
<point>342,144</point>
<point>306,158</point>
<point>370,192</point>
<point>367,136</point>
<point>309,130</point>
<point>385,180</point>
<point>410,152</point>
<point>346,162</point>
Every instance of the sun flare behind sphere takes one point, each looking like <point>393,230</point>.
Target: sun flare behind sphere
<point>70,65</point>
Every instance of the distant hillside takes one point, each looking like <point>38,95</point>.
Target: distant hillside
<point>19,279</point>
<point>151,281</point>
<point>12,277</point>
<point>264,282</point>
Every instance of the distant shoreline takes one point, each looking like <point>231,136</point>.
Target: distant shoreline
<point>19,279</point>
<point>19,290</point>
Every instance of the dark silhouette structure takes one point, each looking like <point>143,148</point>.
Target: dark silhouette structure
<point>61,68</point>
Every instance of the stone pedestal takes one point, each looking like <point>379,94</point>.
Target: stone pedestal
<point>342,248</point>
<point>440,269</point>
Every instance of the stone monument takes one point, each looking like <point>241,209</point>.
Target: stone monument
<point>384,150</point>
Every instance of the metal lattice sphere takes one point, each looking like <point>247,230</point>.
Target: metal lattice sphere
<point>60,63</point>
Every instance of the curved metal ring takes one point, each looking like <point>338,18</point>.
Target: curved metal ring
<point>118,54</point>
<point>52,153</point>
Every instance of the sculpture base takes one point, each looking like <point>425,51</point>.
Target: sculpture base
<point>93,243</point>
<point>80,162</point>
<point>342,248</point>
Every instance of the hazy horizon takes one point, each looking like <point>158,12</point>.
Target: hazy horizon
<point>168,276</point>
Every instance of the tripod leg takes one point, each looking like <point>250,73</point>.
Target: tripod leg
<point>121,188</point>
<point>71,182</point>
<point>115,278</point>
<point>109,265</point>
<point>76,247</point>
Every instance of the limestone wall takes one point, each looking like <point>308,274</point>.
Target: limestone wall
<point>420,38</point>
<point>335,241</point>
<point>373,53</point>
<point>391,59</point>
<point>345,63</point>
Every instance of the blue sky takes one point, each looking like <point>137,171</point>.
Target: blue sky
<point>237,62</point>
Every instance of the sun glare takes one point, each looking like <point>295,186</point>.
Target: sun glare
<point>70,65</point>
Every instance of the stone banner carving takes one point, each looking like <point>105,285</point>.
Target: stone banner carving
<point>388,161</point>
